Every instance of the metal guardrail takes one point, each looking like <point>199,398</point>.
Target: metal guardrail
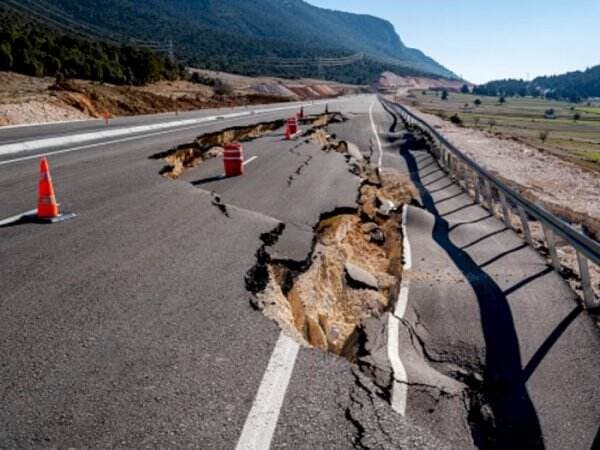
<point>451,158</point>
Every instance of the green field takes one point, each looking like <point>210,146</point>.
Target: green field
<point>524,119</point>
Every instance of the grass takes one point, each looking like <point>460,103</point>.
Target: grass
<point>524,119</point>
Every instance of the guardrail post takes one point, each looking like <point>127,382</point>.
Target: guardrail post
<point>525,225</point>
<point>442,159</point>
<point>551,240</point>
<point>487,188</point>
<point>505,209</point>
<point>477,186</point>
<point>586,282</point>
<point>459,174</point>
<point>464,180</point>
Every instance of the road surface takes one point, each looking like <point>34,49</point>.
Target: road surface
<point>131,326</point>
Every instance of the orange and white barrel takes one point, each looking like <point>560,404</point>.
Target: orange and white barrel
<point>233,160</point>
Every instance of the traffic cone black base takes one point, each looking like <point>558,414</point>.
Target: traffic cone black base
<point>33,218</point>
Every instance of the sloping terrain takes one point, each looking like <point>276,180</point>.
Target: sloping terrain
<point>218,34</point>
<point>26,99</point>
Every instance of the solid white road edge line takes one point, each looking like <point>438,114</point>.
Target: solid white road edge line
<point>16,218</point>
<point>142,136</point>
<point>98,144</point>
<point>400,378</point>
<point>380,160</point>
<point>38,144</point>
<point>249,160</point>
<point>261,421</point>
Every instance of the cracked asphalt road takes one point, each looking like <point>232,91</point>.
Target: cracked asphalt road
<point>131,327</point>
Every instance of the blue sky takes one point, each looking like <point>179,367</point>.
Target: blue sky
<point>484,40</point>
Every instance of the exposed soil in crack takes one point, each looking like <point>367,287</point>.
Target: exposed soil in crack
<point>353,271</point>
<point>210,145</point>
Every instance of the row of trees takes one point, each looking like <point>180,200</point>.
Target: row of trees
<point>573,86</point>
<point>33,49</point>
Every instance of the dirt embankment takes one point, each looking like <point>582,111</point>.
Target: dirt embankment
<point>565,189</point>
<point>26,99</point>
<point>390,82</point>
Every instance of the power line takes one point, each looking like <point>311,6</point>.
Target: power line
<point>41,11</point>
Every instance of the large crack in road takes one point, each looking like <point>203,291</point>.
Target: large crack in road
<point>338,299</point>
<point>210,145</point>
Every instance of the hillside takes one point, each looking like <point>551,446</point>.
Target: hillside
<point>244,36</point>
<point>572,86</point>
<point>35,49</point>
<point>26,99</point>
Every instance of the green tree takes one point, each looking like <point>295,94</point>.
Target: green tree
<point>465,89</point>
<point>444,94</point>
<point>477,102</point>
<point>6,59</point>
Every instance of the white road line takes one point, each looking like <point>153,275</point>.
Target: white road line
<point>400,379</point>
<point>264,414</point>
<point>380,161</point>
<point>16,218</point>
<point>98,144</point>
<point>143,136</point>
<point>72,139</point>
<point>249,160</point>
<point>43,124</point>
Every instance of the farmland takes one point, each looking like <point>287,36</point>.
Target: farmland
<point>572,132</point>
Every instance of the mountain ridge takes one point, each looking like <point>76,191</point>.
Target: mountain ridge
<point>215,32</point>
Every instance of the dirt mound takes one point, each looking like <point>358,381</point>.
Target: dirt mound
<point>391,82</point>
<point>96,99</point>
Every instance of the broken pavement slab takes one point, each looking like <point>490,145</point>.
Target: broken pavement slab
<point>471,324</point>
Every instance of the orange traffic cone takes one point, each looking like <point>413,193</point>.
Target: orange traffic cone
<point>48,210</point>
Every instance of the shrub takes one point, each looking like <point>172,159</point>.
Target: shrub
<point>456,120</point>
<point>544,135</point>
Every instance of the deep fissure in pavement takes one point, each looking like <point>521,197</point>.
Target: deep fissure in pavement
<point>353,271</point>
<point>210,145</point>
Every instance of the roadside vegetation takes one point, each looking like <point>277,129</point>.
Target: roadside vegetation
<point>568,130</point>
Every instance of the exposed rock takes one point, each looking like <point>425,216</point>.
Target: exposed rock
<point>386,206</point>
<point>361,276</point>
